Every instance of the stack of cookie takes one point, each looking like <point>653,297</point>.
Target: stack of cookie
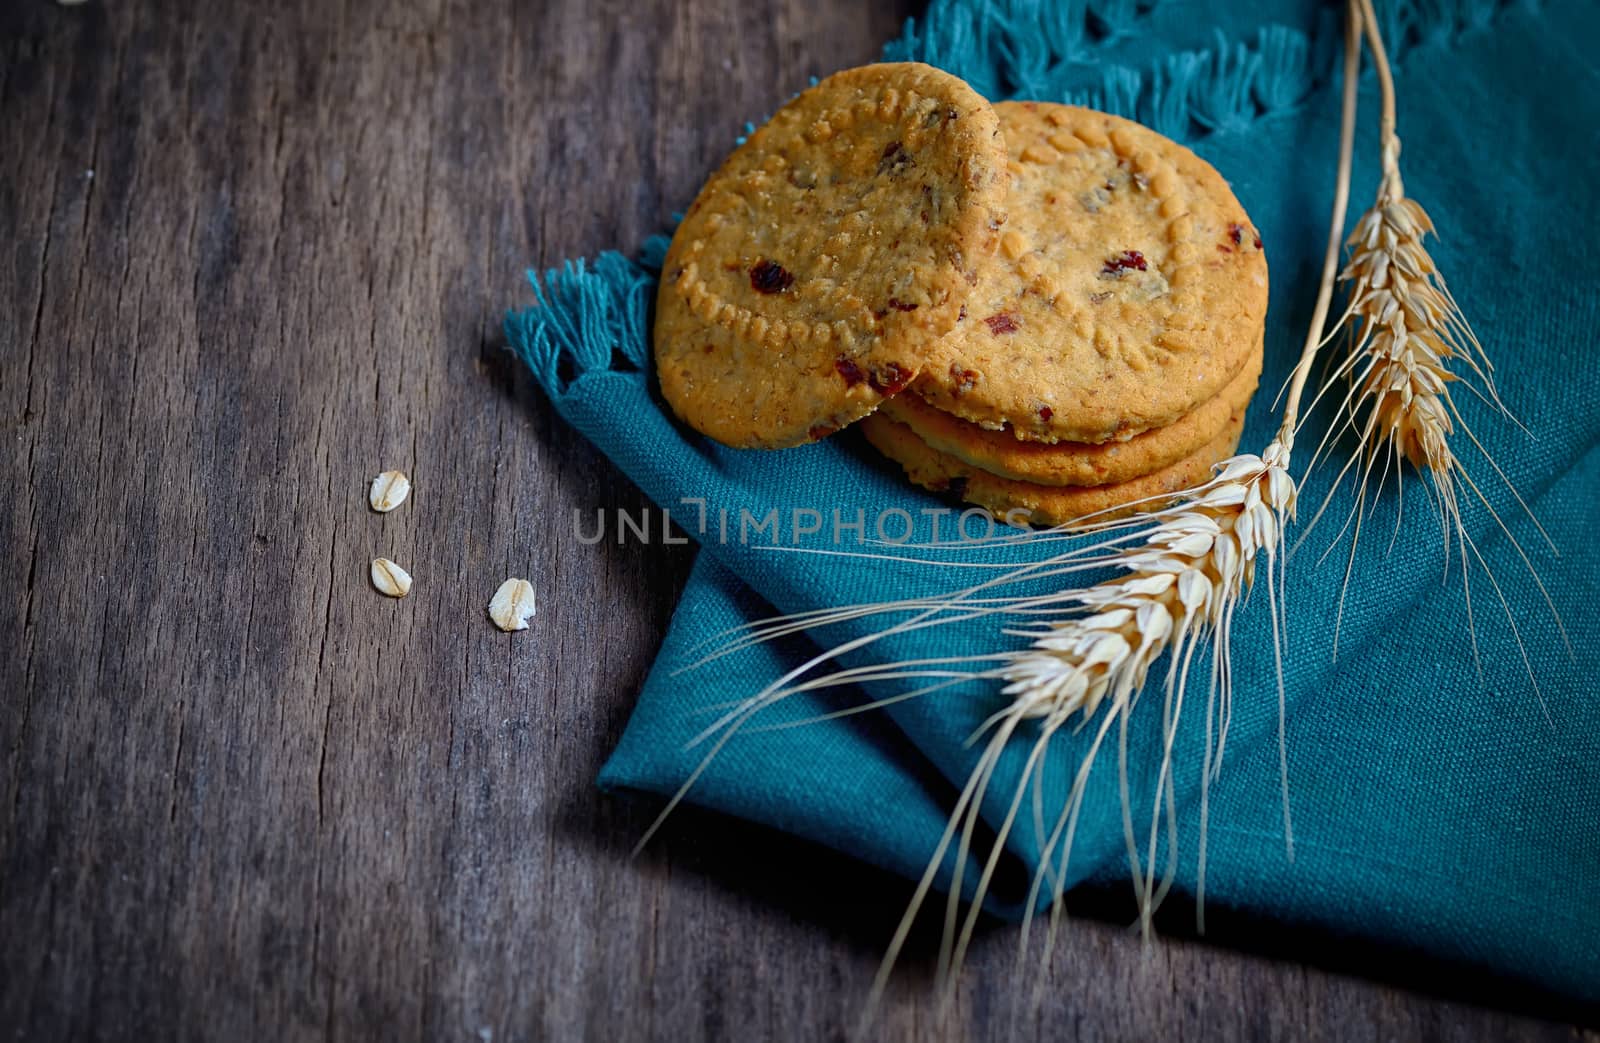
<point>1048,311</point>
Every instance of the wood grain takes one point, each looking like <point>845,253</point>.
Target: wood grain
<point>252,254</point>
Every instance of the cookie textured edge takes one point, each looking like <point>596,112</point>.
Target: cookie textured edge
<point>1003,454</point>
<point>1045,505</point>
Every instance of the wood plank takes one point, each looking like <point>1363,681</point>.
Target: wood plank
<point>255,253</point>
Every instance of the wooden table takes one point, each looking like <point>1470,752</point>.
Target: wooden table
<point>252,255</point>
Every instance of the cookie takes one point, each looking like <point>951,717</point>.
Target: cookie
<point>1129,287</point>
<point>1076,463</point>
<point>1045,504</point>
<point>832,249</point>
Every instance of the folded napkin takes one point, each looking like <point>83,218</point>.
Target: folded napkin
<point>1438,806</point>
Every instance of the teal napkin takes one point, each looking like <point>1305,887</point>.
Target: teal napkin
<point>1439,806</point>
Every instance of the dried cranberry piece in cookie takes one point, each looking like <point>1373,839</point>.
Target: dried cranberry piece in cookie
<point>768,277</point>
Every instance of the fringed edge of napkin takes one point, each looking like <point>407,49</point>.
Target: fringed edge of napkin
<point>588,317</point>
<point>1044,51</point>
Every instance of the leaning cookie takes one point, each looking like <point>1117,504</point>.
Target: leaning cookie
<point>816,268</point>
<point>1045,504</point>
<point>1130,286</point>
<point>1076,463</point>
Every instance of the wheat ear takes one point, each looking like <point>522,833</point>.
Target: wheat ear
<point>1410,347</point>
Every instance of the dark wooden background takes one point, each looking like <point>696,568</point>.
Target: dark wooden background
<point>249,256</point>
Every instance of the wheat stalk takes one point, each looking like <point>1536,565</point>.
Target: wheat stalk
<point>1410,346</point>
